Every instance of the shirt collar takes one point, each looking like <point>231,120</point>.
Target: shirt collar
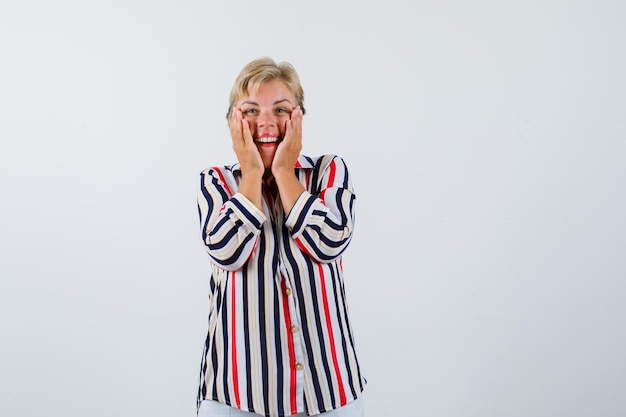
<point>303,162</point>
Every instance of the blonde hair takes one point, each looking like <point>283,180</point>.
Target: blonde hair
<point>260,71</point>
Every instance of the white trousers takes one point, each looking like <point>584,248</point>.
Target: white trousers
<point>217,409</point>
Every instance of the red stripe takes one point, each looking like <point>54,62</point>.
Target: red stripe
<point>342,393</point>
<point>331,180</point>
<point>233,308</point>
<point>308,177</point>
<point>219,173</point>
<point>331,175</point>
<point>292,353</point>
<point>301,245</point>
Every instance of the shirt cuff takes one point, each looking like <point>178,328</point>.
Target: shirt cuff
<point>250,215</point>
<point>301,210</point>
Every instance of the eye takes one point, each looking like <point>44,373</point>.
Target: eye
<point>250,112</point>
<point>281,110</point>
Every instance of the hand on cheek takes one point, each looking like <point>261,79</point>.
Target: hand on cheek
<point>289,149</point>
<point>243,144</point>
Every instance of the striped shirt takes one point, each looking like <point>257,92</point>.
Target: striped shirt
<point>279,340</point>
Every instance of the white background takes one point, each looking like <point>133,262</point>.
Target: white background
<point>487,144</point>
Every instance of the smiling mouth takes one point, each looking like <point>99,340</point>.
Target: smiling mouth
<point>267,139</point>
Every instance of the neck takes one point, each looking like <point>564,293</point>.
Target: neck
<point>269,182</point>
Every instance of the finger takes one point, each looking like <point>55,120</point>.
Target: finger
<point>235,124</point>
<point>232,119</point>
<point>293,129</point>
<point>247,135</point>
<point>297,119</point>
<point>296,113</point>
<point>234,114</point>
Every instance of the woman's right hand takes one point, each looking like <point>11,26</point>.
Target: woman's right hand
<point>249,158</point>
<point>243,145</point>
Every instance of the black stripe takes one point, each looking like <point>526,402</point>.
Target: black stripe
<point>325,240</point>
<point>338,312</point>
<point>227,238</point>
<point>246,213</point>
<point>315,177</point>
<point>338,197</point>
<point>214,361</point>
<point>203,368</point>
<point>310,160</point>
<point>209,200</point>
<point>225,359</point>
<point>350,338</point>
<point>280,362</point>
<point>236,255</point>
<point>328,221</point>
<point>261,317</point>
<point>318,253</point>
<point>344,169</point>
<point>302,214</point>
<point>297,281</point>
<point>319,319</point>
<point>246,325</point>
<point>223,219</point>
<point>219,187</point>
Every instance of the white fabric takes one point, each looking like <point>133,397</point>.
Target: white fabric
<point>216,409</point>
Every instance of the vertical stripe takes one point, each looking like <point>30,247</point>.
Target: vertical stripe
<point>329,327</point>
<point>262,342</point>
<point>246,334</point>
<point>331,175</point>
<point>306,320</point>
<point>342,314</point>
<point>279,341</point>
<point>321,355</point>
<point>292,353</point>
<point>233,308</point>
<point>226,385</point>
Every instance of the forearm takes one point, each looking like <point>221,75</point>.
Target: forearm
<point>230,237</point>
<point>322,223</point>
<point>323,231</point>
<point>229,224</point>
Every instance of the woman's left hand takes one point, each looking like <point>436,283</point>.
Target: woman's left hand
<point>289,149</point>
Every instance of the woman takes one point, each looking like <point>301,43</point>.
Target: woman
<point>275,225</point>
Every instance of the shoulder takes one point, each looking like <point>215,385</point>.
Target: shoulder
<point>221,171</point>
<point>320,162</point>
<point>329,171</point>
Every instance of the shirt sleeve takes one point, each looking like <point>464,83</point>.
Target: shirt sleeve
<point>322,224</point>
<point>230,225</point>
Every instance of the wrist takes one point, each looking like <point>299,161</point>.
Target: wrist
<point>283,173</point>
<point>251,179</point>
<point>252,174</point>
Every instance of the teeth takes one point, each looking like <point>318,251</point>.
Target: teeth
<point>267,139</point>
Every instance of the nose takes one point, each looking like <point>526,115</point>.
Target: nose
<point>266,119</point>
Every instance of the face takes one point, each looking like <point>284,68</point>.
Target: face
<point>267,110</point>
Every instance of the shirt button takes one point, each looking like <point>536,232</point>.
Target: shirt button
<point>294,329</point>
<point>288,291</point>
<point>299,367</point>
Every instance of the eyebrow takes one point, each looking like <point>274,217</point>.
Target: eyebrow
<point>254,103</point>
<point>282,100</point>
